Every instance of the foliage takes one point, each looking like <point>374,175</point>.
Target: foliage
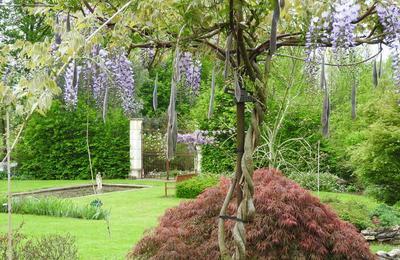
<point>376,158</point>
<point>327,181</point>
<point>387,216</point>
<point>51,206</point>
<point>193,187</point>
<point>289,223</point>
<point>219,157</point>
<point>47,247</point>
<point>92,236</point>
<point>353,211</point>
<point>54,146</point>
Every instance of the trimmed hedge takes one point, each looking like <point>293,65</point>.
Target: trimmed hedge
<point>54,146</point>
<point>193,187</point>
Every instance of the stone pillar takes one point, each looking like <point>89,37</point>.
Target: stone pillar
<point>135,137</point>
<point>198,158</point>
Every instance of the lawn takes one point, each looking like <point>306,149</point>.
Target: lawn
<point>132,212</point>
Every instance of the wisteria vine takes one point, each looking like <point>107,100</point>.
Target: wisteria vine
<point>389,17</point>
<point>103,71</point>
<point>190,71</point>
<point>202,137</point>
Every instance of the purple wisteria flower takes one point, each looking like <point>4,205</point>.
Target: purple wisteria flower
<point>190,70</point>
<point>342,33</point>
<point>195,138</point>
<point>123,76</point>
<point>389,17</point>
<point>71,78</point>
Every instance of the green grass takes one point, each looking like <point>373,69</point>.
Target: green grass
<point>132,212</point>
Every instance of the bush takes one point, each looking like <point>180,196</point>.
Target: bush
<point>327,181</point>
<point>376,159</point>
<point>351,211</point>
<point>289,224</point>
<point>51,206</point>
<point>54,146</point>
<point>48,247</point>
<point>387,216</point>
<point>193,187</point>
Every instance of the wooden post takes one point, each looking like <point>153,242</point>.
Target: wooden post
<point>167,168</point>
<point>9,245</point>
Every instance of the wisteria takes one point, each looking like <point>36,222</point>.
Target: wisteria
<point>98,75</point>
<point>104,71</point>
<point>71,78</point>
<point>342,33</point>
<point>389,17</point>
<point>334,27</point>
<point>201,137</point>
<point>147,56</point>
<point>195,138</point>
<point>190,70</point>
<point>122,72</point>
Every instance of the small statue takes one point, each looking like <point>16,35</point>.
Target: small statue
<point>99,182</point>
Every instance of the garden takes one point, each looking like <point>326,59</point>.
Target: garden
<point>204,129</point>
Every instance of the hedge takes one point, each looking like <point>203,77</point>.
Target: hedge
<point>54,146</point>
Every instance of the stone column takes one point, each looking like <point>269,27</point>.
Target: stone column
<point>135,137</point>
<point>197,162</point>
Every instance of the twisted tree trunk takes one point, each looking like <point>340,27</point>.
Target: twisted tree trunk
<point>243,179</point>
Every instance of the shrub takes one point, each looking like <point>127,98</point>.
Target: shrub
<point>54,146</point>
<point>387,216</point>
<point>48,247</point>
<point>327,181</point>
<point>376,159</point>
<point>51,206</point>
<point>289,224</point>
<point>351,211</point>
<point>193,187</point>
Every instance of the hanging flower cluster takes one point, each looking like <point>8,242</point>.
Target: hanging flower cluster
<point>334,27</point>
<point>389,17</point>
<point>122,74</point>
<point>71,78</point>
<point>195,138</point>
<point>190,70</point>
<point>103,71</point>
<point>342,33</point>
<point>200,137</point>
<point>147,56</point>
<point>98,75</point>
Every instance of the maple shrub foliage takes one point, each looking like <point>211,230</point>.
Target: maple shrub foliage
<point>290,223</point>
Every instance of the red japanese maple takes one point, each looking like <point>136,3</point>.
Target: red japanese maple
<point>290,224</point>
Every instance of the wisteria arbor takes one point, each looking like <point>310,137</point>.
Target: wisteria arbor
<point>246,36</point>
